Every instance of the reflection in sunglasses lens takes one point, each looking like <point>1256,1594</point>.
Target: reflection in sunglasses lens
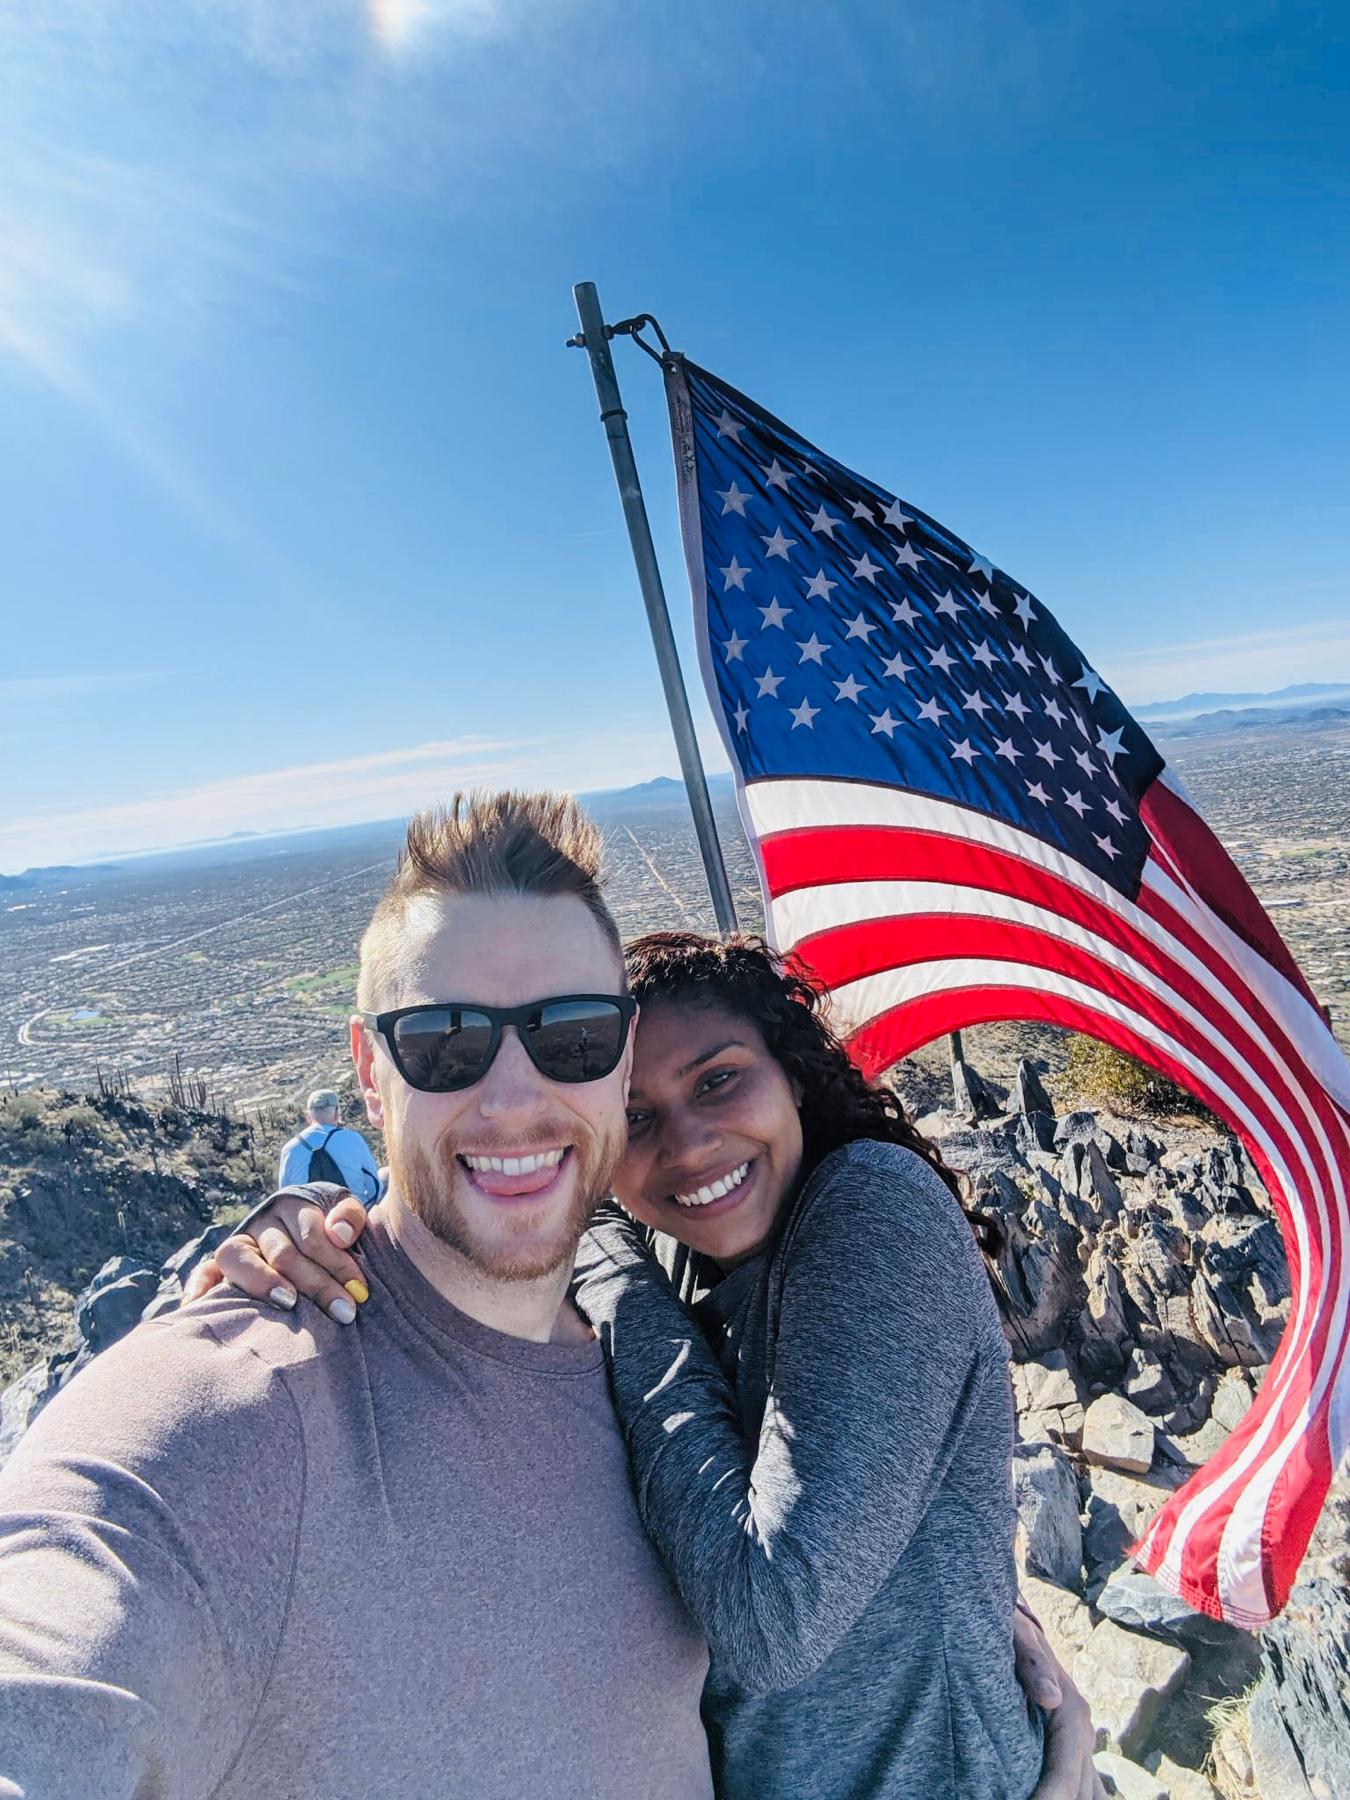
<point>575,1040</point>
<point>441,1051</point>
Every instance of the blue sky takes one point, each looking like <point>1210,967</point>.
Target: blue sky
<point>308,514</point>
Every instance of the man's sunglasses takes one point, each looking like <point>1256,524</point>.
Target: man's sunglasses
<point>445,1045</point>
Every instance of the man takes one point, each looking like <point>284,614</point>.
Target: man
<point>324,1135</point>
<point>215,1534</point>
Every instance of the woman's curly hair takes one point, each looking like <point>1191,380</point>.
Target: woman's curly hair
<point>839,1104</point>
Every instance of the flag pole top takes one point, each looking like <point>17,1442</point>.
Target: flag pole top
<point>594,338</point>
<point>631,328</point>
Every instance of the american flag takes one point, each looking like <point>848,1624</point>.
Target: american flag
<point>956,821</point>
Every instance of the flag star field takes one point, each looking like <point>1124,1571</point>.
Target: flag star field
<point>849,633</point>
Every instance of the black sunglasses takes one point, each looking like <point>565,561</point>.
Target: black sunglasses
<point>445,1045</point>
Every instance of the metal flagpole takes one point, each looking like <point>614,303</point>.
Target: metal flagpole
<point>594,339</point>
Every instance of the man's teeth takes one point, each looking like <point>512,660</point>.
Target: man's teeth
<point>517,1165</point>
<point>716,1190</point>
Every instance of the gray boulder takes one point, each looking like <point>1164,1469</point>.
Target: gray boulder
<point>1029,1095</point>
<point>1148,1384</point>
<point>1305,1655</point>
<point>1157,1265</point>
<point>1075,1128</point>
<point>1083,1172</point>
<point>1223,1179</point>
<point>970,1093</point>
<point>1035,1131</point>
<point>1119,1510</point>
<point>1195,1396</point>
<point>114,1301</point>
<point>185,1259</point>
<point>1126,1680</point>
<point>1086,1128</point>
<point>1187,1209</point>
<point>174,1274</point>
<point>1117,1435</point>
<point>1128,1781</point>
<point>1049,1400</point>
<point>1232,1400</point>
<point>114,1270</point>
<point>1246,1250</point>
<point>982,1152</point>
<point>25,1397</point>
<point>1230,1327</point>
<point>23,1400</point>
<point>1135,1601</point>
<point>1277,1766</point>
<point>1106,1543</point>
<point>1050,1534</point>
<point>1141,1152</point>
<point>1233,1763</point>
<point>1042,1281</point>
<point>1103,1328</point>
<point>1062,1615</point>
<point>1177,1781</point>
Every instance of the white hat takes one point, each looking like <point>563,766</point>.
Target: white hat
<point>323,1100</point>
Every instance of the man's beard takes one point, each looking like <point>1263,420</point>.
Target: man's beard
<point>431,1184</point>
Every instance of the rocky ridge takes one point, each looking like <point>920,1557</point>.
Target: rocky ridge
<point>1144,1288</point>
<point>89,1177</point>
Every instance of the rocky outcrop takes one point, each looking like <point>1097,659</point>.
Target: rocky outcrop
<point>1143,1291</point>
<point>121,1294</point>
<point>1299,1720</point>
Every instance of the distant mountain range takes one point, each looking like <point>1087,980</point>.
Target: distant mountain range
<point>1190,706</point>
<point>1309,705</point>
<point>662,795</point>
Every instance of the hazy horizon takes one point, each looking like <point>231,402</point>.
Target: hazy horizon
<point>715,768</point>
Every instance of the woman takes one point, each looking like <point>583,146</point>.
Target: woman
<point>824,1466</point>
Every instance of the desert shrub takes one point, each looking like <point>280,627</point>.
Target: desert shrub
<point>1102,1077</point>
<point>82,1122</point>
<point>245,1173</point>
<point>20,1113</point>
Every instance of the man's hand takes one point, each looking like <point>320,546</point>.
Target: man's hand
<point>1070,1736</point>
<point>292,1248</point>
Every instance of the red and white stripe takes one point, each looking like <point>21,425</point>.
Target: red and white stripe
<point>921,916</point>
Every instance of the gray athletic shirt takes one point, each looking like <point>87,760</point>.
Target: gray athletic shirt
<point>830,1486</point>
<point>255,1554</point>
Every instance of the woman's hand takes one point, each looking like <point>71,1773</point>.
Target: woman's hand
<point>1068,1772</point>
<point>292,1248</point>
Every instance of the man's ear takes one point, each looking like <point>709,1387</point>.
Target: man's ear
<point>628,1048</point>
<point>363,1055</point>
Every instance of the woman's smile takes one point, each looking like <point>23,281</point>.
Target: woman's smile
<point>728,1188</point>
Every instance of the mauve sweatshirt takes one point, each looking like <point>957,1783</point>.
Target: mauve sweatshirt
<point>255,1554</point>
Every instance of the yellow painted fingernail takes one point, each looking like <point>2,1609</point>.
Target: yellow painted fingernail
<point>358,1291</point>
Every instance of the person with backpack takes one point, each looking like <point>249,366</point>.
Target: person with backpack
<point>327,1150</point>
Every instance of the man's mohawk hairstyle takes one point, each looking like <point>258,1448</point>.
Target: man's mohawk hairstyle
<point>486,842</point>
